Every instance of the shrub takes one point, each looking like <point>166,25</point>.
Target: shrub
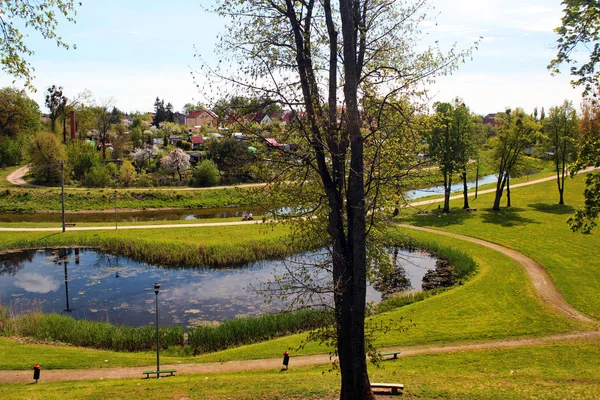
<point>98,176</point>
<point>10,152</point>
<point>206,174</point>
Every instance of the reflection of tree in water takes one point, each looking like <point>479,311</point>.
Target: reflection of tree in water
<point>11,263</point>
<point>393,279</point>
<point>442,276</point>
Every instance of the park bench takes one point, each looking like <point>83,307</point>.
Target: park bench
<point>393,354</point>
<point>171,372</point>
<point>70,224</point>
<point>395,387</point>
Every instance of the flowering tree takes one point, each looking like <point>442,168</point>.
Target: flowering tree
<point>141,156</point>
<point>176,161</point>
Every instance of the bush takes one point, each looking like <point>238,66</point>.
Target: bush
<point>145,180</point>
<point>10,152</point>
<point>98,176</point>
<point>206,174</point>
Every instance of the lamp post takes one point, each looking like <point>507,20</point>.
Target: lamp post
<point>118,162</point>
<point>62,191</point>
<point>156,289</point>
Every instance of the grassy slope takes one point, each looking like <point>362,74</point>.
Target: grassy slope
<point>536,226</point>
<point>191,246</point>
<point>37,199</point>
<point>498,302</point>
<point>552,371</point>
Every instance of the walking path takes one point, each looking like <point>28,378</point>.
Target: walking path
<point>93,228</point>
<point>16,178</point>
<point>540,278</point>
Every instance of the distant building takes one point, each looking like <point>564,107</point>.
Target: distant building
<point>179,118</point>
<point>491,120</point>
<point>197,142</point>
<point>202,118</point>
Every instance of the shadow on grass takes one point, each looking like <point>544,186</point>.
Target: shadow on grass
<point>506,217</point>
<point>439,219</point>
<point>553,208</point>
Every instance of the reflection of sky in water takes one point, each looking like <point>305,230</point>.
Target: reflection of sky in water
<point>108,288</point>
<point>36,283</point>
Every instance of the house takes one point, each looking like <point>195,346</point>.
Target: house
<point>179,118</point>
<point>491,119</point>
<point>173,139</point>
<point>197,142</point>
<point>260,118</point>
<point>202,118</point>
<point>273,142</point>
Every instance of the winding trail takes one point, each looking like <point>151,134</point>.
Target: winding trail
<point>541,280</point>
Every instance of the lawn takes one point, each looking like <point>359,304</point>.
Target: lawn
<point>549,371</point>
<point>536,226</point>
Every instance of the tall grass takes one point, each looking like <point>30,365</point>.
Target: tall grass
<point>235,332</point>
<point>201,339</point>
<point>99,335</point>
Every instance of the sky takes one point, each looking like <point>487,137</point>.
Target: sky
<point>132,51</point>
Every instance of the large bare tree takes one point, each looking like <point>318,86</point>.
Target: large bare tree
<point>343,69</point>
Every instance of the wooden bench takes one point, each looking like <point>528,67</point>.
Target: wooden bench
<point>394,354</point>
<point>171,372</point>
<point>70,224</point>
<point>395,387</point>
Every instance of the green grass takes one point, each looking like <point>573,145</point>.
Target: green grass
<point>536,226</point>
<point>549,371</point>
<point>38,199</point>
<point>192,246</point>
<point>3,174</point>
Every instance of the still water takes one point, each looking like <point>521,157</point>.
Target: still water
<point>92,285</point>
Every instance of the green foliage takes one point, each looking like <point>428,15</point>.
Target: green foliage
<point>19,115</point>
<point>580,28</point>
<point>206,174</point>
<point>81,156</point>
<point>41,16</point>
<point>127,174</point>
<point>10,152</point>
<point>98,175</point>
<point>43,152</point>
<point>584,219</point>
<point>232,158</point>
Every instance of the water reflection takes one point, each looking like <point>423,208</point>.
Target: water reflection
<point>103,287</point>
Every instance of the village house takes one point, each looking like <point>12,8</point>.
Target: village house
<point>197,142</point>
<point>202,118</point>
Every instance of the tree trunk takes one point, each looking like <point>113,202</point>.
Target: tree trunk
<point>65,129</point>
<point>103,147</point>
<point>353,365</point>
<point>499,189</point>
<point>465,190</point>
<point>447,191</point>
<point>507,190</point>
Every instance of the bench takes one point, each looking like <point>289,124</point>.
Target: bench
<point>171,372</point>
<point>394,354</point>
<point>70,224</point>
<point>395,387</point>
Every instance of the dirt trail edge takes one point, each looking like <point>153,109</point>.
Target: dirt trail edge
<point>275,363</point>
<point>540,278</point>
<point>542,281</point>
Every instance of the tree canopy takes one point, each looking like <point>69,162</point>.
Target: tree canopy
<point>41,16</point>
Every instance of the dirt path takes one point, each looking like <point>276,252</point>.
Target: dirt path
<point>16,177</point>
<point>542,281</point>
<point>275,363</point>
<point>540,278</point>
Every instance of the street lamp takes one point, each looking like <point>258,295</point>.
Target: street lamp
<point>156,289</point>
<point>119,163</point>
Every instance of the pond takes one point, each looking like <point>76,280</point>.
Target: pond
<point>457,187</point>
<point>92,285</point>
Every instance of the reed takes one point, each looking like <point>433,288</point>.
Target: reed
<point>240,331</point>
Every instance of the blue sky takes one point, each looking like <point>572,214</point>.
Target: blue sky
<point>133,51</point>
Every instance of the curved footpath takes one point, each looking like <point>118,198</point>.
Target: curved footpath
<point>539,277</point>
<point>198,225</point>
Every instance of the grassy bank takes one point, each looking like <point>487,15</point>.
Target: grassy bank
<point>549,371</point>
<point>536,226</point>
<point>40,199</point>
<point>192,246</point>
